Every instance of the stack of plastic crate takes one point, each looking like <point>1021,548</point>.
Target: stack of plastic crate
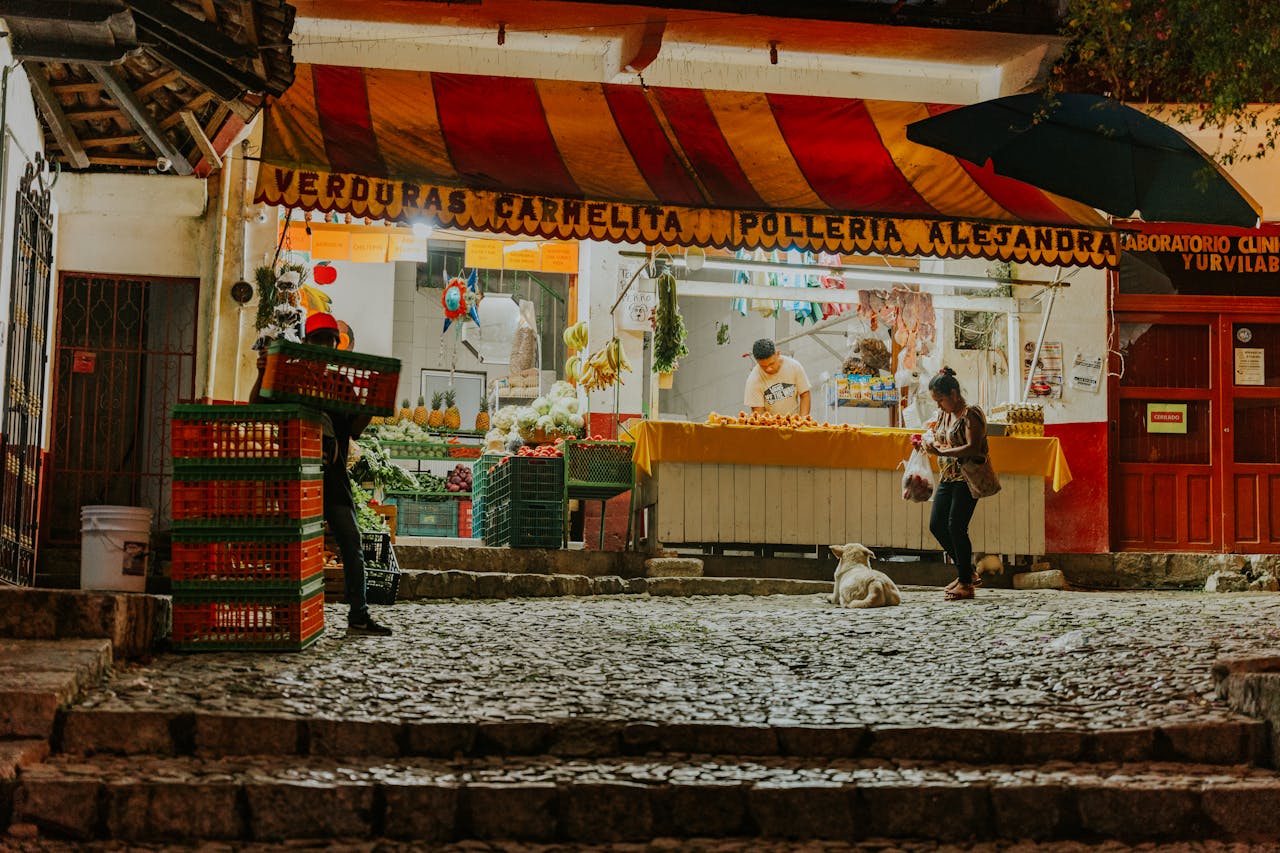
<point>248,528</point>
<point>479,491</point>
<point>525,504</point>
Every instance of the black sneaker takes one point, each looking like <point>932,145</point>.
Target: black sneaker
<point>368,626</point>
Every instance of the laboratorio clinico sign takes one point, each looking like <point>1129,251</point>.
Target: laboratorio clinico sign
<point>577,219</point>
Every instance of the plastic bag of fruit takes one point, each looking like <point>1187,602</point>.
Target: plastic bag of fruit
<point>917,478</point>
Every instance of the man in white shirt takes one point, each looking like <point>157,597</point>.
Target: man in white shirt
<point>777,384</point>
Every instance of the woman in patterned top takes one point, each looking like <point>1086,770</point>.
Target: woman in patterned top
<point>959,432</point>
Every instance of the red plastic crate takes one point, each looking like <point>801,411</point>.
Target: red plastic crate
<point>331,379</point>
<point>464,519</point>
<point>246,625</point>
<point>247,561</point>
<point>465,451</point>
<point>257,433</point>
<point>260,501</point>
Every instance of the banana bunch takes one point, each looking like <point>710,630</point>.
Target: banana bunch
<point>573,370</point>
<point>604,367</point>
<point>575,337</point>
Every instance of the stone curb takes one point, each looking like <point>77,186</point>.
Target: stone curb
<point>37,677</point>
<point>1251,685</point>
<point>133,623</point>
<point>99,731</point>
<point>427,584</point>
<point>207,802</point>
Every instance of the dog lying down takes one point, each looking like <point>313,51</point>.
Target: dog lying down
<point>859,585</point>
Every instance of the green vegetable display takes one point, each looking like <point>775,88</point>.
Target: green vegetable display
<point>375,466</point>
<point>668,331</point>
<point>366,518</point>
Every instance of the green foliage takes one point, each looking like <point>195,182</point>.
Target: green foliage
<point>268,297</point>
<point>366,519</point>
<point>375,466</point>
<point>1215,62</point>
<point>668,329</point>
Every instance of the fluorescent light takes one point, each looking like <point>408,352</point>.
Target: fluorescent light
<point>422,228</point>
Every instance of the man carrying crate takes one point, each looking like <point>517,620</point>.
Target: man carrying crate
<point>339,504</point>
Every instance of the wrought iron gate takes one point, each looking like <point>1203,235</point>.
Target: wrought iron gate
<point>26,355</point>
<point>125,355</point>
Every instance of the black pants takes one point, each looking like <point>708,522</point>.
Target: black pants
<point>340,512</point>
<point>953,507</point>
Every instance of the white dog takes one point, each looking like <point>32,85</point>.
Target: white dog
<point>859,585</point>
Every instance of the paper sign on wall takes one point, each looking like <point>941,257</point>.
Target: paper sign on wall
<point>406,246</point>
<point>1251,366</point>
<point>368,248</point>
<point>1086,372</point>
<point>560,257</point>
<point>1167,418</point>
<point>483,254</point>
<point>1046,373</point>
<point>635,314</point>
<point>330,245</point>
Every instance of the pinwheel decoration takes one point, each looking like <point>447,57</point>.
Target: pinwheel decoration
<point>460,299</point>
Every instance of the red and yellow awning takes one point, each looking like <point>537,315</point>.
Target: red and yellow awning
<point>622,163</point>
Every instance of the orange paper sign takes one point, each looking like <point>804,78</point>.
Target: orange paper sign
<point>330,245</point>
<point>483,254</point>
<point>522,255</point>
<point>406,246</point>
<point>560,257</point>
<point>369,248</point>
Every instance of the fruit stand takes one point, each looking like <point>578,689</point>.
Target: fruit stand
<point>734,485</point>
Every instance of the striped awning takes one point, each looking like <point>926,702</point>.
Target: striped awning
<point>623,163</point>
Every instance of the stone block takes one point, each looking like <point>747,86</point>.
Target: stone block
<point>218,735</point>
<point>525,811</point>
<point>637,586</point>
<point>63,808</point>
<point>1035,812</point>
<point>440,738</point>
<point>703,809</point>
<point>1265,582</point>
<point>582,738</point>
<point>1037,746</point>
<point>86,731</point>
<point>638,738</point>
<point>1245,812</point>
<point>185,810</point>
<point>823,741</point>
<point>1047,579</point>
<point>532,586</point>
<point>803,810</point>
<point>917,810</point>
<point>16,754</point>
<point>608,585</point>
<point>607,811</point>
<point>1213,743</point>
<point>574,585</point>
<point>28,713</point>
<point>513,737</point>
<point>423,813</point>
<point>936,743</point>
<point>1225,581</point>
<point>495,586</point>
<point>341,738</point>
<point>1109,745</point>
<point>1133,812</point>
<point>719,738</point>
<point>280,810</point>
<point>673,567</point>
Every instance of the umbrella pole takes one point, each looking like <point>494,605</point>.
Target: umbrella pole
<point>1044,327</point>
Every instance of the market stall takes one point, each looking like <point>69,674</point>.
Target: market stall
<point>700,484</point>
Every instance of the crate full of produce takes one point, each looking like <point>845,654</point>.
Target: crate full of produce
<point>597,469</point>
<point>331,379</point>
<point>245,436</point>
<point>222,620</point>
<point>251,557</point>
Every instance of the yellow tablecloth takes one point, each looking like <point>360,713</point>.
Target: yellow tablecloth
<point>679,441</point>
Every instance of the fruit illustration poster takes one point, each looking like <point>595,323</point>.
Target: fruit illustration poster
<point>1046,373</point>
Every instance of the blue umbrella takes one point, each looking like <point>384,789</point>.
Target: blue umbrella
<point>1094,150</point>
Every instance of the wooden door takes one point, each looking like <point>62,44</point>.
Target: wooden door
<point>1166,493</point>
<point>1251,433</point>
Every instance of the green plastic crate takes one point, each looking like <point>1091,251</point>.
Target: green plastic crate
<point>425,514</point>
<point>525,524</point>
<point>598,470</point>
<point>205,592</point>
<point>526,478</point>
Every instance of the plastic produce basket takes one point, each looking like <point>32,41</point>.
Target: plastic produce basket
<point>381,586</point>
<point>526,478</point>
<point>222,620</point>
<point>272,496</point>
<point>331,379</point>
<point>377,549</point>
<point>425,514</point>
<point>232,554</point>
<point>245,435</point>
<point>598,470</point>
<point>524,524</point>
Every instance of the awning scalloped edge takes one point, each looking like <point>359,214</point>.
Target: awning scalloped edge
<point>672,225</point>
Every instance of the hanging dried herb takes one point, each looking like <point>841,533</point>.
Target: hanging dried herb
<point>668,328</point>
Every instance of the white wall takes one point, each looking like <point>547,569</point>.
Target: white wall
<point>132,224</point>
<point>417,339</point>
<point>364,297</point>
<point>600,281</point>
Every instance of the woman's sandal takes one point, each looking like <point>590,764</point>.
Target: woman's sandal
<point>961,592</point>
<point>977,582</point>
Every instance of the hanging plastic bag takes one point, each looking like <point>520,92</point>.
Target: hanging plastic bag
<point>524,345</point>
<point>917,478</point>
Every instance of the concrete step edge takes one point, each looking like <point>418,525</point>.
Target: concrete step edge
<point>446,584</point>
<point>546,800</point>
<point>84,731</point>
<point>39,677</point>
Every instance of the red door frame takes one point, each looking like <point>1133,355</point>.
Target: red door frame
<point>1220,313</point>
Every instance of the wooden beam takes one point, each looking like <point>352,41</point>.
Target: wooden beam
<point>138,116</point>
<point>108,141</point>
<point>137,162</point>
<point>251,36</point>
<point>59,124</point>
<point>76,88</point>
<point>155,83</point>
<point>194,104</point>
<point>210,8</point>
<point>95,114</point>
<point>202,141</point>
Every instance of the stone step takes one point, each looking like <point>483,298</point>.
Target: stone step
<point>92,731</point>
<point>133,623</point>
<point>427,584</point>
<point>38,677</point>
<point>545,799</point>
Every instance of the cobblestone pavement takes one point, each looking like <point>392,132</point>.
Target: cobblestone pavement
<point>661,845</point>
<point>1007,659</point>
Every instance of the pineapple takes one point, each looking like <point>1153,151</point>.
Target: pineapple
<point>420,415</point>
<point>436,417</point>
<point>452,417</point>
<point>405,413</point>
<point>482,419</point>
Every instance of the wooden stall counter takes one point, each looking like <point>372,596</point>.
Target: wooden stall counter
<point>731,485</point>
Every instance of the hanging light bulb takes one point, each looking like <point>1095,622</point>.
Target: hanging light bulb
<point>422,228</point>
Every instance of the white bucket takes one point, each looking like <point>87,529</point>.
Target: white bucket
<point>115,542</point>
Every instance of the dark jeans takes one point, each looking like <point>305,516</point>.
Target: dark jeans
<point>953,507</point>
<point>340,512</point>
